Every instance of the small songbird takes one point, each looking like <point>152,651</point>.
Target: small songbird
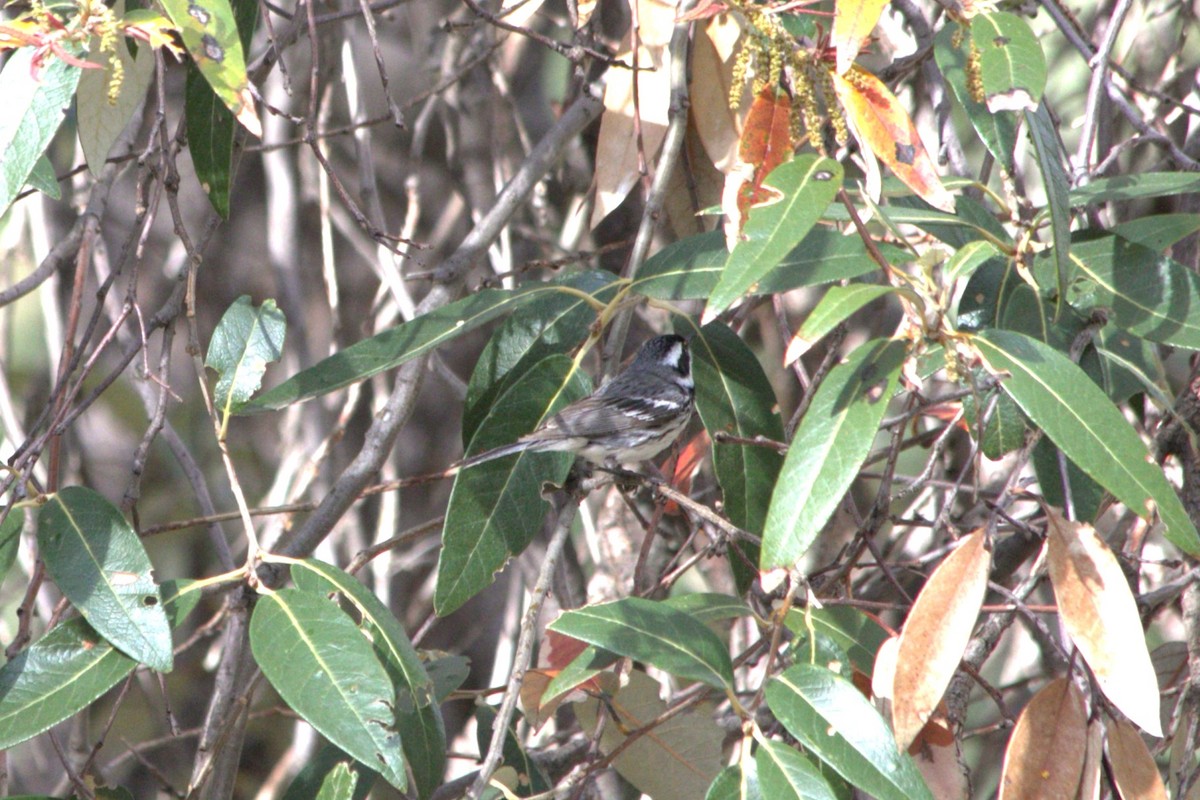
<point>631,418</point>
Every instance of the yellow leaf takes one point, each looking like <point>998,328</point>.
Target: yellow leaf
<point>1046,752</point>
<point>936,633</point>
<point>1099,613</point>
<point>884,128</point>
<point>853,21</point>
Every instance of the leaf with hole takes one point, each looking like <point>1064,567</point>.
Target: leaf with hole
<point>100,565</point>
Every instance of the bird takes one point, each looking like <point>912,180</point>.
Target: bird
<point>629,419</point>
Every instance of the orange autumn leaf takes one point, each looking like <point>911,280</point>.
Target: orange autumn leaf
<point>686,465</point>
<point>883,126</point>
<point>936,633</point>
<point>765,144</point>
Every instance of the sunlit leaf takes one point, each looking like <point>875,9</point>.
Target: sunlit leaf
<point>887,130</point>
<point>245,341</point>
<point>33,112</point>
<point>833,720</point>
<point>1055,393</point>
<point>1099,612</point>
<point>936,634</point>
<point>784,774</point>
<point>1012,66</point>
<point>829,447</point>
<point>853,21</point>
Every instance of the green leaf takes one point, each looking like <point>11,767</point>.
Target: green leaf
<point>311,777</point>
<point>709,606</point>
<point>833,720</point>
<point>210,123</point>
<point>210,34</point>
<point>838,303</point>
<point>245,341</point>
<point>997,131</point>
<point>10,539</point>
<point>532,779</point>
<point>784,774</point>
<point>690,268</point>
<point>448,672</point>
<point>325,669</point>
<point>1005,430</point>
<point>554,322</point>
<point>33,110</point>
<point>968,258</point>
<point>1055,393</point>
<point>55,677</point>
<point>1136,186</point>
<point>99,564</point>
<point>808,184</point>
<point>1158,232</point>
<point>1087,496</point>
<point>590,662</point>
<point>1149,295</point>
<point>395,346</point>
<point>734,396</point>
<point>853,631</point>
<point>101,119</point>
<point>1012,66</point>
<point>338,783</point>
<point>655,633</point>
<point>824,456</point>
<point>418,718</point>
<point>43,179</point>
<point>734,783</point>
<point>496,508</point>
<point>1057,185</point>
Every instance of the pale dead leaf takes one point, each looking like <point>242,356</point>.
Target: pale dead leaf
<point>936,633</point>
<point>1099,613</point>
<point>677,760</point>
<point>715,122</point>
<point>617,145</point>
<point>1089,781</point>
<point>519,12</point>
<point>1133,768</point>
<point>1045,754</point>
<point>99,121</point>
<point>853,21</point>
<point>883,675</point>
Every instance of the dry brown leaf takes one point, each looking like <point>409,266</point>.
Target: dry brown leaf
<point>1099,613</point>
<point>853,21</point>
<point>936,633</point>
<point>884,128</point>
<point>1133,768</point>
<point>1046,751</point>
<point>939,759</point>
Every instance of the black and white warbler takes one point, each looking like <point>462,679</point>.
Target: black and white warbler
<point>631,418</point>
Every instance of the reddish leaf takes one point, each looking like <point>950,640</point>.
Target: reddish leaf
<point>766,143</point>
<point>686,465</point>
<point>1046,752</point>
<point>883,126</point>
